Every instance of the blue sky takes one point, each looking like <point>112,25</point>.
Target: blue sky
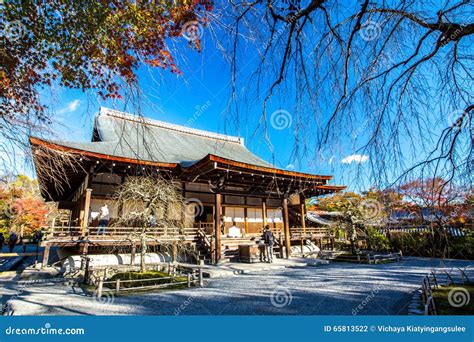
<point>200,97</point>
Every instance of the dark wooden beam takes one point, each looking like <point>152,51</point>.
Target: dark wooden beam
<point>286,225</point>
<point>217,226</point>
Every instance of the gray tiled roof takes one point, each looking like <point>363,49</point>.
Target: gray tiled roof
<point>129,136</point>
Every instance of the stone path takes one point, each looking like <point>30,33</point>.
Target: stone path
<point>334,289</point>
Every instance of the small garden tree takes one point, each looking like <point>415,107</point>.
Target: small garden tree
<point>359,213</point>
<point>152,205</point>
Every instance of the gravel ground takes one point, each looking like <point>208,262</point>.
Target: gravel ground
<point>334,289</point>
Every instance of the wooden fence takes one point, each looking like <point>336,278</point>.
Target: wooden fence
<point>427,298</point>
<point>375,258</point>
<point>429,284</point>
<point>116,286</point>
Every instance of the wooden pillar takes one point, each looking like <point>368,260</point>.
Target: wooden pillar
<point>246,221</point>
<point>264,212</point>
<point>81,211</point>
<point>303,214</point>
<point>87,205</point>
<point>223,217</point>
<point>217,227</point>
<point>82,200</point>
<point>84,248</point>
<point>286,225</point>
<point>45,255</point>
<point>120,203</point>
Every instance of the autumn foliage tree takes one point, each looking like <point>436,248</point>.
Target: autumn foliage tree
<point>22,209</point>
<point>438,202</point>
<point>86,45</point>
<point>433,204</point>
<point>30,215</point>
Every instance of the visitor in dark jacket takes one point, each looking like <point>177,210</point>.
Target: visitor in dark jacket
<point>269,240</point>
<point>12,241</point>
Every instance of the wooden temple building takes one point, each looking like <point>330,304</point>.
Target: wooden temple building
<point>231,185</point>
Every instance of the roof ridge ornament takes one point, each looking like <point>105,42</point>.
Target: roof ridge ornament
<point>157,123</point>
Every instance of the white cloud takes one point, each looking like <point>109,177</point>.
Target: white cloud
<point>70,107</point>
<point>290,167</point>
<point>355,158</point>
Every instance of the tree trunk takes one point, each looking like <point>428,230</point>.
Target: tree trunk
<point>353,249</point>
<point>142,253</point>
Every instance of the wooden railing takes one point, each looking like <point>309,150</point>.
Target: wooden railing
<point>64,233</point>
<point>207,242</point>
<point>207,227</point>
<point>298,232</point>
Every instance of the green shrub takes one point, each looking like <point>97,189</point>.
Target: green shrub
<point>444,307</point>
<point>376,240</point>
<point>462,247</point>
<point>148,278</point>
<point>416,243</point>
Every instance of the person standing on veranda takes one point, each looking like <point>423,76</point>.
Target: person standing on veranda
<point>104,217</point>
<point>269,241</point>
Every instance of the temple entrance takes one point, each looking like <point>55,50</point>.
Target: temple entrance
<point>204,218</point>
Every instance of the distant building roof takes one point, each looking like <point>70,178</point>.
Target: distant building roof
<point>130,136</point>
